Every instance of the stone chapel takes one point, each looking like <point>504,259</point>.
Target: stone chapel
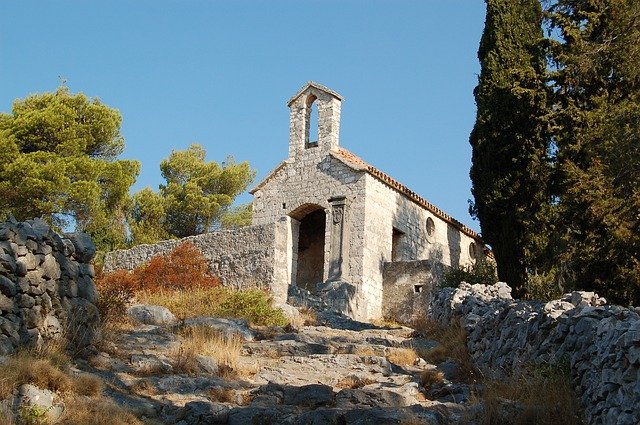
<point>346,221</point>
<point>326,221</point>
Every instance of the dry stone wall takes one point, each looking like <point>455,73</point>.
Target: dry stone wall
<point>241,258</point>
<point>601,342</point>
<point>46,285</point>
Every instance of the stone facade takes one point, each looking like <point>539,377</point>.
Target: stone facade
<point>600,342</point>
<point>46,285</point>
<point>407,288</point>
<point>369,218</point>
<point>243,258</point>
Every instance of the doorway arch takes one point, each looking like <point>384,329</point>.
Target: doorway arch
<point>309,250</point>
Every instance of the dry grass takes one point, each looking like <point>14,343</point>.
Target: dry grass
<point>452,344</point>
<point>144,387</point>
<point>254,305</point>
<point>429,377</point>
<point>531,398</point>
<point>223,395</point>
<point>28,367</point>
<point>308,316</point>
<point>96,411</point>
<point>205,341</point>
<point>354,381</point>
<point>87,385</point>
<point>48,368</point>
<point>361,351</point>
<point>402,356</point>
<point>185,304</point>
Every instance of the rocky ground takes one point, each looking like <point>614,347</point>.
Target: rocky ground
<point>334,372</point>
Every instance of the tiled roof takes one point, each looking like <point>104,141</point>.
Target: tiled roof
<point>358,163</point>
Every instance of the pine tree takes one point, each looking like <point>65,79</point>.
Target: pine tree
<point>596,82</point>
<point>510,169</point>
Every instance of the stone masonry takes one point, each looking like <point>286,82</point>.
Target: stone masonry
<point>46,285</point>
<point>600,342</point>
<point>242,258</point>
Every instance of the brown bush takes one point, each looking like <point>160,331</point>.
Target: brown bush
<point>183,268</point>
<point>116,290</point>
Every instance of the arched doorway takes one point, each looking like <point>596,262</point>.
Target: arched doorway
<point>309,252</point>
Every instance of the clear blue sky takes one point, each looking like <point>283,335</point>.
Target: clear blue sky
<point>220,73</point>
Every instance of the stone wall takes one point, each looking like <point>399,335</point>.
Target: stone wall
<point>601,342</point>
<point>407,288</point>
<point>242,258</point>
<point>46,285</point>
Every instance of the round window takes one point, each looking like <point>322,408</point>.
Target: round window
<point>431,227</point>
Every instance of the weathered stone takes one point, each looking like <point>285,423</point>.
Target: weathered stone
<point>87,289</point>
<point>6,347</point>
<point>23,249</point>
<point>7,287</point>
<point>151,315</point>
<point>85,249</point>
<point>7,264</point>
<point>21,267</point>
<point>314,395</point>
<point>150,364</point>
<point>40,228</point>
<point>599,341</point>
<point>87,270</point>
<point>50,267</point>
<point>203,413</point>
<point>43,248</point>
<point>30,396</point>
<point>33,317</point>
<point>6,304</point>
<point>238,327</point>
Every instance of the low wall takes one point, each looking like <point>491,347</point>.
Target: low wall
<point>601,342</point>
<point>242,258</point>
<point>46,284</point>
<point>407,288</point>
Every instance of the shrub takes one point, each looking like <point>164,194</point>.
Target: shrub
<point>542,287</point>
<point>482,271</point>
<point>183,268</point>
<point>253,305</point>
<point>115,291</point>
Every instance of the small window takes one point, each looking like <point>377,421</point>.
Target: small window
<point>417,288</point>
<point>284,205</point>
<point>472,251</point>
<point>431,227</point>
<point>311,139</point>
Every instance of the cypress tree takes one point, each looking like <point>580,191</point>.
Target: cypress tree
<point>510,170</point>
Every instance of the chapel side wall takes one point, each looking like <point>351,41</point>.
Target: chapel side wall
<point>314,178</point>
<point>385,209</point>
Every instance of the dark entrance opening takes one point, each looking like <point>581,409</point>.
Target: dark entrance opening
<point>397,240</point>
<point>310,268</point>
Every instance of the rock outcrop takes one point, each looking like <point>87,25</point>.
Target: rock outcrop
<point>46,285</point>
<point>600,342</point>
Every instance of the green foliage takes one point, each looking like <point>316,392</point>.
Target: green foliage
<point>253,305</point>
<point>596,119</point>
<point>509,166</point>
<point>58,161</point>
<point>481,272</point>
<point>195,197</point>
<point>239,216</point>
<point>544,286</point>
